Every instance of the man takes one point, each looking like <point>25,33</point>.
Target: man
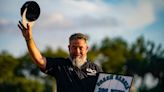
<point>73,74</point>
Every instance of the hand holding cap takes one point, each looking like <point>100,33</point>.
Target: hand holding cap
<point>30,12</point>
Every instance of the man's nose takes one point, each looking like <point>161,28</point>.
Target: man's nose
<point>77,51</point>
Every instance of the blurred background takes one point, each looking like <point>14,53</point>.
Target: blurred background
<point>125,37</point>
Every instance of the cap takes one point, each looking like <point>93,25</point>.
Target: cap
<point>33,10</point>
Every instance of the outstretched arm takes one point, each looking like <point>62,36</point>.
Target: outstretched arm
<point>33,50</point>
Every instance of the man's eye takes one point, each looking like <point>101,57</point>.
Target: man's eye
<point>74,47</point>
<point>81,48</point>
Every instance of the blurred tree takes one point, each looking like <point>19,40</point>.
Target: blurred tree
<point>146,57</point>
<point>8,64</point>
<point>93,52</point>
<point>17,84</point>
<point>9,79</point>
<point>49,52</point>
<point>114,51</point>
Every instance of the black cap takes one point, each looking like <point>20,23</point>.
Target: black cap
<point>33,10</point>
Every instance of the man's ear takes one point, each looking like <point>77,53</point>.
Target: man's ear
<point>69,47</point>
<point>87,48</point>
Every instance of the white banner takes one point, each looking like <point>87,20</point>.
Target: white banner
<point>113,83</point>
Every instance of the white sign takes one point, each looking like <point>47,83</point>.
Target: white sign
<point>113,83</point>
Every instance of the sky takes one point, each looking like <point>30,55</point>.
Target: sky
<point>127,19</point>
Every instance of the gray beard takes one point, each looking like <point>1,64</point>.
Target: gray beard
<point>78,62</point>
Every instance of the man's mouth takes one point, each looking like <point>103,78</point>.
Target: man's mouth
<point>77,55</point>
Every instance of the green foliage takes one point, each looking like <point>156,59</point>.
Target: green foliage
<point>18,84</point>
<point>11,81</point>
<point>26,65</point>
<point>8,64</point>
<point>93,53</point>
<point>115,52</point>
<point>49,52</point>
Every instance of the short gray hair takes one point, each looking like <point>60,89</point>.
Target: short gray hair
<point>78,36</point>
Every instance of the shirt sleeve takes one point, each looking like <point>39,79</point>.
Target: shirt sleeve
<point>53,66</point>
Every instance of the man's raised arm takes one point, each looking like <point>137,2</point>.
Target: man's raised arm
<point>33,50</point>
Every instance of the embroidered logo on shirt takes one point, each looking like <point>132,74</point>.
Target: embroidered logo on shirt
<point>91,71</point>
<point>70,69</point>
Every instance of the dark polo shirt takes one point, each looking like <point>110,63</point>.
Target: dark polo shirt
<point>70,78</point>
